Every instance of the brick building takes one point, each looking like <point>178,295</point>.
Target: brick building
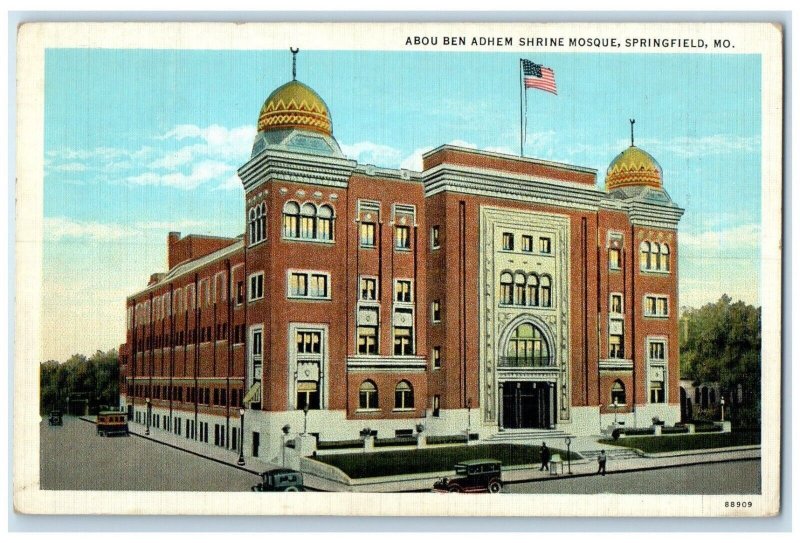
<point>486,293</point>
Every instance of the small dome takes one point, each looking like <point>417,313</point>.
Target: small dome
<point>295,105</point>
<point>633,167</point>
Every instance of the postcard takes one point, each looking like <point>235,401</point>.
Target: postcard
<point>398,269</point>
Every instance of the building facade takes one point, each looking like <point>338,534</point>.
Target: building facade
<point>487,293</point>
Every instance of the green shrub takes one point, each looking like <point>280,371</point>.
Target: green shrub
<point>341,444</point>
<point>395,441</point>
<point>441,440</point>
<point>674,430</point>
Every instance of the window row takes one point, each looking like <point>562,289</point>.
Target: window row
<point>654,256</point>
<point>367,237</point>
<point>525,289</point>
<point>182,338</point>
<point>544,245</point>
<point>368,396</point>
<point>368,331</point>
<point>203,395</point>
<point>656,306</point>
<point>308,222</point>
<point>403,290</point>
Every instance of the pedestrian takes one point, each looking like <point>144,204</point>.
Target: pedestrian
<point>544,452</point>
<point>601,463</point>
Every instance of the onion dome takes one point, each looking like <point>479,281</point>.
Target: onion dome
<point>633,167</point>
<point>295,106</point>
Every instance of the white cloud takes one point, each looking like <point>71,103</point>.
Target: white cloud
<point>168,225</point>
<point>737,237</point>
<point>217,141</point>
<point>367,152</point>
<point>231,183</point>
<point>59,228</point>
<point>201,172</point>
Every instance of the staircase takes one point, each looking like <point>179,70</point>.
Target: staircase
<point>532,436</point>
<point>612,454</point>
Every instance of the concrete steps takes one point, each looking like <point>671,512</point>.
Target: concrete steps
<point>616,454</point>
<point>529,437</point>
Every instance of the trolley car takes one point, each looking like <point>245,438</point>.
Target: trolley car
<point>112,423</point>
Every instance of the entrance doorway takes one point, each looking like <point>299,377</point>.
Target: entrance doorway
<point>528,404</point>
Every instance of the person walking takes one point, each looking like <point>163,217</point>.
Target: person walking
<point>601,463</point>
<point>544,452</point>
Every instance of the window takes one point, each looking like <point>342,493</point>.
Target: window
<point>239,292</point>
<point>644,255</point>
<point>368,339</point>
<point>656,306</point>
<point>656,391</point>
<point>508,241</point>
<point>436,357</point>
<point>520,284</point>
<point>369,290</point>
<point>291,220</point>
<point>615,348</point>
<point>544,246</point>
<point>402,290</point>
<point>436,311</point>
<point>544,296</point>
<point>526,347</point>
<point>309,285</point>
<point>402,237</point>
<point>656,351</point>
<point>403,396</point>
<point>616,303</point>
<point>367,234</point>
<point>533,290</point>
<point>435,237</point>
<point>308,342</point>
<point>663,258</point>
<point>613,259</point>
<point>256,286</point>
<point>618,393</point>
<point>527,244</point>
<point>403,335</point>
<point>436,402</point>
<point>325,223</point>
<point>368,395</point>
<point>506,288</point>
<point>258,223</point>
<point>308,221</point>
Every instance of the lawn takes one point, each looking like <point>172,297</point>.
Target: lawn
<point>684,442</point>
<point>377,464</point>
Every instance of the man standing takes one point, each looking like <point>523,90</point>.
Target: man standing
<point>601,463</point>
<point>545,454</point>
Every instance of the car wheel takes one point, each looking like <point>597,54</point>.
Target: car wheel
<point>455,488</point>
<point>291,489</point>
<point>495,487</point>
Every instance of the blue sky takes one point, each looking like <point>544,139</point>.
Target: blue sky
<point>141,142</point>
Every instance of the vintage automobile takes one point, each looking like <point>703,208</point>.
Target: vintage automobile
<point>280,480</point>
<point>482,475</point>
<point>55,418</point>
<point>112,423</point>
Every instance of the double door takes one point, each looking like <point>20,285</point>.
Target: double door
<point>528,404</point>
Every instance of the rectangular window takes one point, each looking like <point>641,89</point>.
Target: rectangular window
<point>615,346</point>
<point>367,340</point>
<point>367,234</point>
<point>616,303</point>
<point>656,391</point>
<point>508,241</point>
<point>435,237</point>
<point>308,285</point>
<point>318,286</point>
<point>308,342</point>
<point>613,259</point>
<point>436,357</point>
<point>402,291</point>
<point>656,306</point>
<point>369,289</point>
<point>240,293</point>
<point>256,286</point>
<point>657,351</point>
<point>527,244</point>
<point>403,341</point>
<point>544,246</point>
<point>436,311</point>
<point>402,237</point>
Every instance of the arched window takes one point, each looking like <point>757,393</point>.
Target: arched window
<point>664,257</point>
<point>655,250</point>
<point>325,223</point>
<point>533,289</point>
<point>403,396</point>
<point>506,288</point>
<point>308,219</point>
<point>618,393</point>
<point>291,220</point>
<point>251,224</point>
<point>527,347</point>
<point>261,215</point>
<point>258,223</point>
<point>368,395</point>
<point>544,292</point>
<point>519,288</point>
<point>644,255</point>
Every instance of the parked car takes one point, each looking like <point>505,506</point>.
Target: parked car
<point>110,423</point>
<point>280,480</point>
<point>483,475</point>
<point>55,418</point>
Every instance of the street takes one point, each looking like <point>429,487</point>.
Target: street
<point>74,457</point>
<point>729,478</point>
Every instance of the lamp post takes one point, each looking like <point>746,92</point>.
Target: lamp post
<point>569,461</point>
<point>615,412</point>
<point>469,416</point>
<point>147,430</point>
<point>286,429</point>
<point>305,420</point>
<point>722,407</point>
<point>240,462</point>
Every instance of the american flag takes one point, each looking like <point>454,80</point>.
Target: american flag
<point>539,77</point>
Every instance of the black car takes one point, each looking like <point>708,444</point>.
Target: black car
<point>280,480</point>
<point>483,475</point>
<point>55,418</point>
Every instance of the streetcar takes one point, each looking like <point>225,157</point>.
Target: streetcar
<point>112,423</point>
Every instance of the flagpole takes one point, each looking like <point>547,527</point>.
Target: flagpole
<point>521,98</point>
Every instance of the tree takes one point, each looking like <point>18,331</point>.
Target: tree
<point>94,379</point>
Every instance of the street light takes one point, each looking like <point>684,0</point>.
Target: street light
<point>469,416</point>
<point>147,431</point>
<point>286,429</point>
<point>569,461</point>
<point>615,412</point>
<point>305,419</point>
<point>240,462</point>
<point>722,407</point>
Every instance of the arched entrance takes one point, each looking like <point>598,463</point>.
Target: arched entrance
<point>527,379</point>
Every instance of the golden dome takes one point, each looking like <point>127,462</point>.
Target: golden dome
<point>294,105</point>
<point>633,167</point>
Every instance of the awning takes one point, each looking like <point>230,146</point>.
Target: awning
<point>306,386</point>
<point>253,393</point>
